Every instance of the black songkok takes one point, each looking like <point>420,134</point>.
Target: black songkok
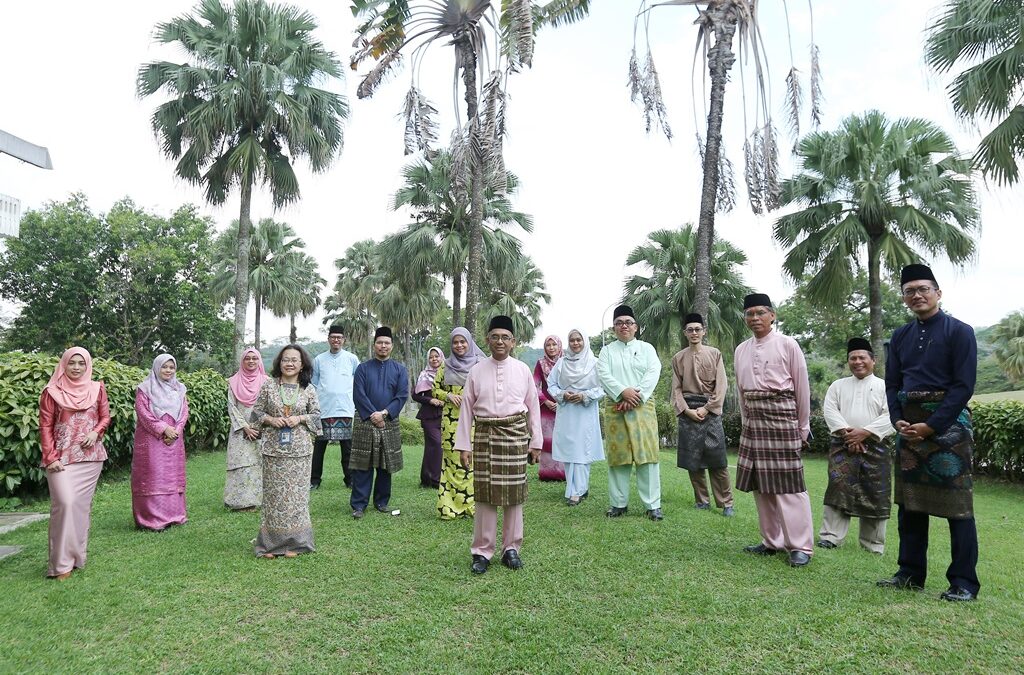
<point>757,300</point>
<point>623,310</point>
<point>503,322</point>
<point>859,343</point>
<point>336,328</point>
<point>693,317</point>
<point>916,273</point>
<point>383,331</point>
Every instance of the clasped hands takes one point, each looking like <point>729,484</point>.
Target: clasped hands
<point>291,421</point>
<point>377,419</point>
<point>853,439</point>
<point>696,414</point>
<point>913,432</point>
<point>629,399</point>
<point>170,435</point>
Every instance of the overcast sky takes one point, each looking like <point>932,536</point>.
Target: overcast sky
<point>594,182</point>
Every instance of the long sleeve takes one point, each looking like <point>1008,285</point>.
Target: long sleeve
<point>144,415</point>
<point>533,416</point>
<point>830,409</point>
<point>652,371</point>
<point>609,383</point>
<point>801,388</point>
<point>438,391</point>
<point>592,394</point>
<point>463,434</point>
<point>360,394</point>
<point>312,421</point>
<point>894,377</point>
<point>315,378</point>
<point>236,413</point>
<point>678,402</point>
<point>880,426</point>
<point>48,414</point>
<point>422,397</point>
<point>541,385</point>
<point>737,363</point>
<point>102,412</point>
<point>554,391</point>
<point>179,426</point>
<point>964,376</point>
<point>259,408</point>
<point>397,402</point>
<point>717,398</point>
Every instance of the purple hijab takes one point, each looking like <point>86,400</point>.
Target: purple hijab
<point>165,398</point>
<point>456,367</point>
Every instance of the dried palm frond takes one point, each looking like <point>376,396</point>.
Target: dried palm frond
<point>635,78</point>
<point>492,131</point>
<point>654,100</point>
<point>752,174</point>
<point>725,196</point>
<point>420,123</point>
<point>772,185</point>
<point>377,75</point>
<point>517,33</point>
<point>461,169</point>
<point>816,96</point>
<point>794,101</point>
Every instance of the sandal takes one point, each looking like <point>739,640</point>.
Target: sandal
<point>291,554</point>
<point>269,556</point>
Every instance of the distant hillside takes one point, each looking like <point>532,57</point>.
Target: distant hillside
<point>531,355</point>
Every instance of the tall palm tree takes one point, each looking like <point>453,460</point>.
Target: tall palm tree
<point>1008,338</point>
<point>243,105</point>
<point>515,287</point>
<point>719,23</point>
<point>360,278</point>
<point>277,265</point>
<point>309,295</point>
<point>437,242</point>
<point>990,35</point>
<point>662,299</point>
<point>880,188</point>
<point>490,40</point>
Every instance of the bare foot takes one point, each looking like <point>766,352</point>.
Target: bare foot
<point>269,556</point>
<point>291,554</point>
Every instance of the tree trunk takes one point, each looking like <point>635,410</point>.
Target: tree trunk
<point>256,319</point>
<point>457,300</point>
<point>242,265</point>
<point>720,60</point>
<point>293,335</point>
<point>476,203</point>
<point>875,302</point>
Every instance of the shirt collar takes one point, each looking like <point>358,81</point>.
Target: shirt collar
<point>770,336</point>
<point>933,319</point>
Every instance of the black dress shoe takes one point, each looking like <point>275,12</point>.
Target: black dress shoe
<point>314,486</point>
<point>825,543</point>
<point>760,549</point>
<point>958,594</point>
<point>479,565</point>
<point>901,582</point>
<point>616,511</point>
<point>798,559</point>
<point>511,559</point>
<point>383,509</point>
<point>655,514</point>
<point>357,514</point>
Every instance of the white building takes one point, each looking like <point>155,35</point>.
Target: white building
<point>10,216</point>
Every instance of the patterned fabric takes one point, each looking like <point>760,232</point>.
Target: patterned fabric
<point>500,448</point>
<point>269,404</point>
<point>934,475</point>
<point>632,436</point>
<point>336,429</point>
<point>769,455</point>
<point>243,488</point>
<point>69,431</point>
<point>549,469</point>
<point>859,482</point>
<point>374,448</point>
<point>455,493</point>
<point>701,445</point>
<point>284,519</point>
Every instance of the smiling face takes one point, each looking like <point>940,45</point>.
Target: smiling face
<point>460,345</point>
<point>921,297</point>
<point>167,370</point>
<point>251,362</point>
<point>576,342</point>
<point>434,359</point>
<point>694,333</point>
<point>75,367</point>
<point>625,328</point>
<point>335,341</point>
<point>501,343</point>
<point>551,348</point>
<point>382,347</point>
<point>291,363</point>
<point>861,363</point>
<point>759,320</point>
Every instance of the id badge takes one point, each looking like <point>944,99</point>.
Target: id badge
<point>284,436</point>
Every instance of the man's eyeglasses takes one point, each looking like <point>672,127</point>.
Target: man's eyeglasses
<point>917,290</point>
<point>756,315</point>
<point>501,338</point>
<point>624,324</point>
<point>693,331</point>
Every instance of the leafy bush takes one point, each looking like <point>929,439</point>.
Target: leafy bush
<point>22,378</point>
<point>412,431</point>
<point>999,438</point>
<point>819,432</point>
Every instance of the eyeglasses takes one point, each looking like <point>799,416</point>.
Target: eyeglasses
<point>922,290</point>
<point>292,361</point>
<point>626,324</point>
<point>501,338</point>
<point>693,331</point>
<point>756,315</point>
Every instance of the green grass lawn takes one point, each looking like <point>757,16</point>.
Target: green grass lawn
<point>394,594</point>
<point>999,396</point>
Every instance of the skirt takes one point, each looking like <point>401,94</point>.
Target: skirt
<point>243,488</point>
<point>500,449</point>
<point>701,445</point>
<point>859,483</point>
<point>769,454</point>
<point>284,524</point>
<point>71,492</point>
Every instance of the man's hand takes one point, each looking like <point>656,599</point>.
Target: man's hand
<point>701,413</point>
<point>466,456</point>
<point>916,432</point>
<point>805,445</point>
<point>691,414</point>
<point>377,419</point>
<point>632,396</point>
<point>856,436</point>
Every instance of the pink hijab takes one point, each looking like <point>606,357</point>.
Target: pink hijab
<point>80,394</point>
<point>245,384</point>
<point>546,362</point>
<point>425,382</point>
<point>165,398</point>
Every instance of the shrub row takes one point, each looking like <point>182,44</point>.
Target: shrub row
<point>22,379</point>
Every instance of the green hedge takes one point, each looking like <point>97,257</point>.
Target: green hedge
<point>22,378</point>
<point>999,438</point>
<point>412,431</point>
<point>819,431</point>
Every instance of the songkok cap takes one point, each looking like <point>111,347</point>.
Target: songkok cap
<point>383,331</point>
<point>757,300</point>
<point>859,343</point>
<point>623,310</point>
<point>336,328</point>
<point>503,322</point>
<point>916,273</point>
<point>693,317</point>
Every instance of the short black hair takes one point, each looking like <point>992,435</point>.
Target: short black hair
<point>305,374</point>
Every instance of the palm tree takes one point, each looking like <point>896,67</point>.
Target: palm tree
<point>310,287</point>
<point>875,186</point>
<point>663,299</point>
<point>718,24</point>
<point>278,268</point>
<point>989,35</point>
<point>360,278</point>
<point>243,106</point>
<point>515,287</point>
<point>436,243</point>
<point>491,41</point>
<point>1008,338</point>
